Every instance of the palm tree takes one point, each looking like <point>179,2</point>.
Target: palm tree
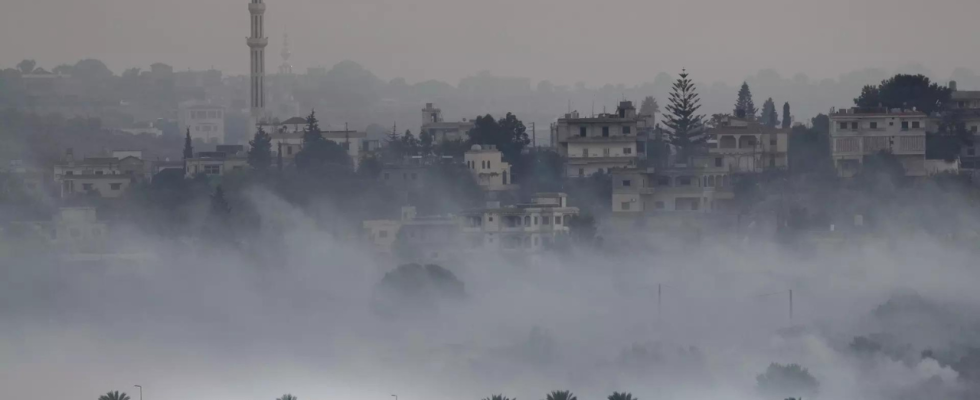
<point>287,397</point>
<point>622,396</point>
<point>114,396</point>
<point>498,397</point>
<point>561,395</point>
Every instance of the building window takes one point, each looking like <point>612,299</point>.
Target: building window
<point>535,221</point>
<point>626,206</point>
<point>545,220</point>
<point>605,152</point>
<point>772,142</point>
<point>627,150</point>
<point>581,172</point>
<point>289,150</point>
<point>557,220</point>
<point>212,169</point>
<point>915,124</point>
<point>627,183</point>
<point>582,131</point>
<point>626,130</point>
<point>874,125</point>
<point>842,126</point>
<point>641,147</point>
<point>115,186</point>
<point>69,173</point>
<point>605,131</point>
<point>719,162</point>
<point>659,205</point>
<point>86,186</point>
<point>585,153</point>
<point>663,181</point>
<point>684,181</point>
<point>854,125</point>
<point>490,218</point>
<point>905,125</point>
<point>527,221</point>
<point>695,206</point>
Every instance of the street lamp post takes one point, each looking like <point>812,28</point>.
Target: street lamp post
<point>395,396</point>
<point>141,390</point>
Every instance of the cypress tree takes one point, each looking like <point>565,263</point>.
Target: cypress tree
<point>787,118</point>
<point>188,147</point>
<point>745,107</point>
<point>685,126</point>
<point>769,117</point>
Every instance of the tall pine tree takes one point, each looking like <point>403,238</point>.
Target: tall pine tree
<point>686,128</point>
<point>787,118</point>
<point>745,107</point>
<point>260,153</point>
<point>769,116</point>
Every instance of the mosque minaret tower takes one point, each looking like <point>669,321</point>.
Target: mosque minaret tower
<point>256,44</point>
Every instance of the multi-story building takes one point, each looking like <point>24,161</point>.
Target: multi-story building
<point>739,145</point>
<point>224,160</point>
<point>690,188</point>
<point>107,177</point>
<point>967,104</point>
<point>203,120</point>
<point>601,143</point>
<point>858,133</point>
<point>441,131</point>
<point>487,164</point>
<point>524,227</point>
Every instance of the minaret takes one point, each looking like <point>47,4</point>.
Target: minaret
<point>256,45</point>
<point>285,68</point>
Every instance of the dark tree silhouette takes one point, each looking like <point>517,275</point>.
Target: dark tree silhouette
<point>787,380</point>
<point>287,397</point>
<point>621,396</point>
<point>508,134</point>
<point>26,66</point>
<point>561,395</point>
<point>319,153</point>
<point>787,118</point>
<point>769,116</point>
<point>188,146</point>
<point>498,397</point>
<point>744,106</point>
<point>686,127</point>
<point>116,395</point>
<point>906,92</point>
<point>260,152</point>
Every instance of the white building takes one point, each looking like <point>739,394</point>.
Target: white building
<point>524,228</point>
<point>433,123</point>
<point>856,134</point>
<point>739,145</point>
<point>487,164</point>
<point>601,143</point>
<point>204,121</point>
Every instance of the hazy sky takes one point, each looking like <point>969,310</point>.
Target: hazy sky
<point>616,41</point>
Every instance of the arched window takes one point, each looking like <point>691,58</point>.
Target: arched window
<point>746,142</point>
<point>727,142</point>
<point>527,221</point>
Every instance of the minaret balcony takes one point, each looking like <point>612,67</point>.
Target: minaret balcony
<point>256,8</point>
<point>257,42</point>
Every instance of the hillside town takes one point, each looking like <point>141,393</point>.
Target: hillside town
<point>689,237</point>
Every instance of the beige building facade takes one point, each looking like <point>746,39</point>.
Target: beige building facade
<point>856,134</point>
<point>601,143</point>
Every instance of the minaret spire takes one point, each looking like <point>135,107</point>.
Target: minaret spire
<point>285,68</point>
<point>256,44</point>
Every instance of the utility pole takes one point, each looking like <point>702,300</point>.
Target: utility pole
<point>659,296</point>
<point>534,135</point>
<point>791,304</point>
<point>141,390</point>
